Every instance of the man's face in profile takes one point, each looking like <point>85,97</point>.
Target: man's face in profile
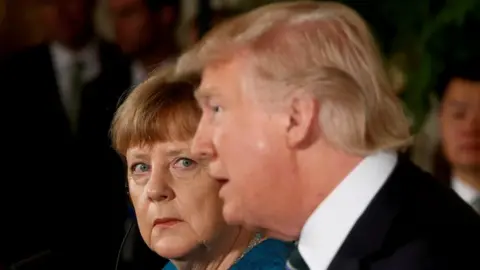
<point>460,123</point>
<point>245,140</point>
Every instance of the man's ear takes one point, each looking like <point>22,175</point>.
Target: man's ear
<point>303,119</point>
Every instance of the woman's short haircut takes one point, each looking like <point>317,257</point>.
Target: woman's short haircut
<point>163,108</point>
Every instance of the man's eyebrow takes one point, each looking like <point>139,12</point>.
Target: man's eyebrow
<point>457,103</point>
<point>203,93</point>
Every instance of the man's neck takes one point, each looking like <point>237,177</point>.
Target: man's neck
<point>220,257</point>
<point>323,173</point>
<point>469,176</point>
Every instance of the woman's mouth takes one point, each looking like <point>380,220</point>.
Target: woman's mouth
<point>166,222</point>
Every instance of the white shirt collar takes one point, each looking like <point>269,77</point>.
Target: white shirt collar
<point>328,226</point>
<point>64,58</point>
<point>139,73</point>
<point>464,190</point>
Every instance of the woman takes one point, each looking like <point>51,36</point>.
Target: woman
<point>176,203</point>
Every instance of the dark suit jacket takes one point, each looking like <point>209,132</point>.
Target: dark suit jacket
<point>67,196</point>
<point>442,170</point>
<point>413,223</point>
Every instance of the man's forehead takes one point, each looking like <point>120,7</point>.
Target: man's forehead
<point>225,78</point>
<point>204,92</point>
<point>459,89</point>
<point>212,81</point>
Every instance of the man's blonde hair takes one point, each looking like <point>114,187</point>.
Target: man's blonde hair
<point>163,108</point>
<point>324,49</point>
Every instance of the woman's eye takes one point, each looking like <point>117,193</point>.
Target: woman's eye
<point>184,163</point>
<point>139,168</point>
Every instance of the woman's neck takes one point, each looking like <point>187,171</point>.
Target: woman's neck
<point>219,256</point>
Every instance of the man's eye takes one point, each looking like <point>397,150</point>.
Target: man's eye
<point>139,168</point>
<point>459,114</point>
<point>216,108</point>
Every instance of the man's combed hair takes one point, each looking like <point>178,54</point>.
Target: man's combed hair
<point>324,49</point>
<point>163,108</point>
<point>466,70</point>
<point>157,5</point>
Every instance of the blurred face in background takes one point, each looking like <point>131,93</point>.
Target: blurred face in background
<point>460,124</point>
<point>69,21</point>
<point>138,29</point>
<point>133,22</point>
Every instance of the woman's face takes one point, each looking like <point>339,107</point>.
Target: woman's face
<point>176,202</point>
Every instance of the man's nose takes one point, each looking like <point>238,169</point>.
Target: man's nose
<point>473,124</point>
<point>202,142</point>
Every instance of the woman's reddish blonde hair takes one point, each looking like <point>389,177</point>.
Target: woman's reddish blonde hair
<point>163,108</point>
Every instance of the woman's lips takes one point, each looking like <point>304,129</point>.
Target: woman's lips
<point>166,222</point>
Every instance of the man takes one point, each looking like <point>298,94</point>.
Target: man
<point>145,31</point>
<point>301,127</point>
<point>459,116</point>
<point>69,201</point>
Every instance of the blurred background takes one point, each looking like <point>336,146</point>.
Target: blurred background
<point>418,38</point>
<point>125,40</point>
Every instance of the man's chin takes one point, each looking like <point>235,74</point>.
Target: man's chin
<point>223,187</point>
<point>232,215</point>
<point>469,165</point>
<point>279,236</point>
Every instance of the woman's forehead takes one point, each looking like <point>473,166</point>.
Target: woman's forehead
<point>167,149</point>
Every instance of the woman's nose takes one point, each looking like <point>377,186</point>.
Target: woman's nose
<point>158,188</point>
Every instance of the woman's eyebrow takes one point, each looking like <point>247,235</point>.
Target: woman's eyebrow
<point>137,154</point>
<point>177,152</point>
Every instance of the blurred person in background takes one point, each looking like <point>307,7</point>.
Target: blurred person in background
<point>218,16</point>
<point>145,31</point>
<point>459,162</point>
<point>71,204</point>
